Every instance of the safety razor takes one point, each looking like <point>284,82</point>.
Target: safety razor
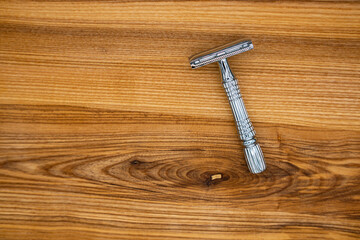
<point>253,155</point>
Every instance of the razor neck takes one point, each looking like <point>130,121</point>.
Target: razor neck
<point>225,70</point>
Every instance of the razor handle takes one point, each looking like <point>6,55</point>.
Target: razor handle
<point>253,154</point>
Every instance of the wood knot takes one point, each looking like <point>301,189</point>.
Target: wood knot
<point>135,162</point>
<point>215,178</point>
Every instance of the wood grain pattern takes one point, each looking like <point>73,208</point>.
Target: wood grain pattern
<point>106,132</point>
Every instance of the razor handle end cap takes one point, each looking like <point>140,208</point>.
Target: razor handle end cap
<point>254,158</point>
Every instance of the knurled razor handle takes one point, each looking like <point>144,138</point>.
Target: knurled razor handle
<point>253,155</point>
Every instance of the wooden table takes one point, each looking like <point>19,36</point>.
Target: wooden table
<point>106,132</point>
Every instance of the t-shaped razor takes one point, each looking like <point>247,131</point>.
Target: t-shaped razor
<point>253,154</point>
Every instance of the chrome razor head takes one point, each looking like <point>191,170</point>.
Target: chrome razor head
<point>219,53</point>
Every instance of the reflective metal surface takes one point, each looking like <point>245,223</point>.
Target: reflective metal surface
<point>253,154</point>
<point>218,53</point>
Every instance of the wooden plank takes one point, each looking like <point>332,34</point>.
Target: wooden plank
<point>106,132</point>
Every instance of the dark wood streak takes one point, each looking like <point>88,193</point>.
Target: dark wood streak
<point>152,170</point>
